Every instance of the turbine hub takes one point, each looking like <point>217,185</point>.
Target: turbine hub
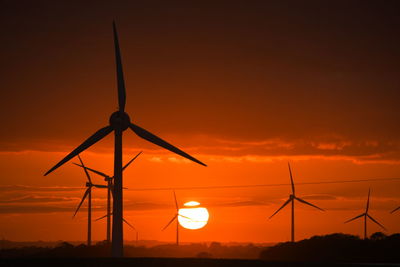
<point>120,120</point>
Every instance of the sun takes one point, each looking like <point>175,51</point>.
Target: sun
<point>193,216</point>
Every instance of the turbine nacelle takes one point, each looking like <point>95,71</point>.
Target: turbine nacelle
<point>120,120</point>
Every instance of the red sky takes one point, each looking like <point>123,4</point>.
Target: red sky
<point>244,88</point>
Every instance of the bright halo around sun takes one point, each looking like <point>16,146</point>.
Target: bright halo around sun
<point>193,216</point>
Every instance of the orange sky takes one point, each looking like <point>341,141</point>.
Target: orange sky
<point>244,89</point>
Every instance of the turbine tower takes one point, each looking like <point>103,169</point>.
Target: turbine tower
<point>366,216</point>
<point>88,193</point>
<point>118,123</point>
<point>291,200</point>
<point>110,191</point>
<point>175,217</point>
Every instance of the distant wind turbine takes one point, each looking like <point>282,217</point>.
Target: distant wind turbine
<point>110,191</point>
<point>119,122</point>
<point>366,215</point>
<point>175,217</point>
<point>88,193</point>
<point>291,199</point>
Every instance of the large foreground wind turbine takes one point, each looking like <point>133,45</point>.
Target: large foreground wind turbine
<point>175,217</point>
<point>118,123</point>
<point>291,199</point>
<point>88,194</point>
<point>366,215</point>
<point>110,191</point>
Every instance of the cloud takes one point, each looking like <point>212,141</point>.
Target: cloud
<point>38,199</point>
<point>242,203</point>
<point>27,188</point>
<point>332,146</point>
<point>319,197</point>
<point>142,205</point>
<point>10,209</point>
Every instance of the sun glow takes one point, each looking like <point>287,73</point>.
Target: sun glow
<point>193,217</point>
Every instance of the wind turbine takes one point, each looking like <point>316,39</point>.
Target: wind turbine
<point>175,217</point>
<point>291,199</point>
<point>118,123</point>
<point>110,191</point>
<point>366,215</point>
<point>88,193</point>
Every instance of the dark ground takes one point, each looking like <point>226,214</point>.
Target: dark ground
<point>173,262</point>
<point>329,250</point>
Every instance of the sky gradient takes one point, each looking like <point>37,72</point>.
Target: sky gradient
<point>243,87</point>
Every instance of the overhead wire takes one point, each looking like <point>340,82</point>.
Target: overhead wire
<point>258,185</point>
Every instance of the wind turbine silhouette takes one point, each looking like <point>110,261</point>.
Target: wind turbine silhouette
<point>119,122</point>
<point>88,193</point>
<point>366,215</point>
<point>110,191</point>
<point>175,217</point>
<point>291,199</point>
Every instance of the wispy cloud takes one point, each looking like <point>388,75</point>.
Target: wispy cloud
<point>320,197</point>
<point>37,199</point>
<point>236,150</point>
<point>27,188</point>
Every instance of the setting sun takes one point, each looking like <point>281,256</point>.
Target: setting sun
<point>193,217</point>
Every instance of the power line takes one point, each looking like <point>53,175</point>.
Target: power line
<point>259,185</point>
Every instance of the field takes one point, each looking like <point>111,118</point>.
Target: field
<point>166,262</point>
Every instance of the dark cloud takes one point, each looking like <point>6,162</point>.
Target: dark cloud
<point>27,188</point>
<point>11,209</point>
<point>239,203</point>
<point>319,197</point>
<point>38,199</point>
<point>266,71</point>
<point>366,150</point>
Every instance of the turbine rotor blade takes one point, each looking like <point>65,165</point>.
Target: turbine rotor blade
<point>102,217</point>
<point>131,160</point>
<point>369,191</point>
<point>173,218</point>
<point>112,191</point>
<point>100,186</point>
<point>395,209</point>
<point>94,171</point>
<point>120,73</point>
<point>97,136</point>
<point>183,216</point>
<point>158,141</point>
<point>291,179</point>
<point>176,202</point>
<point>375,221</point>
<point>83,199</point>
<point>125,221</point>
<point>84,168</point>
<point>359,216</point>
<point>284,204</point>
<point>308,203</point>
